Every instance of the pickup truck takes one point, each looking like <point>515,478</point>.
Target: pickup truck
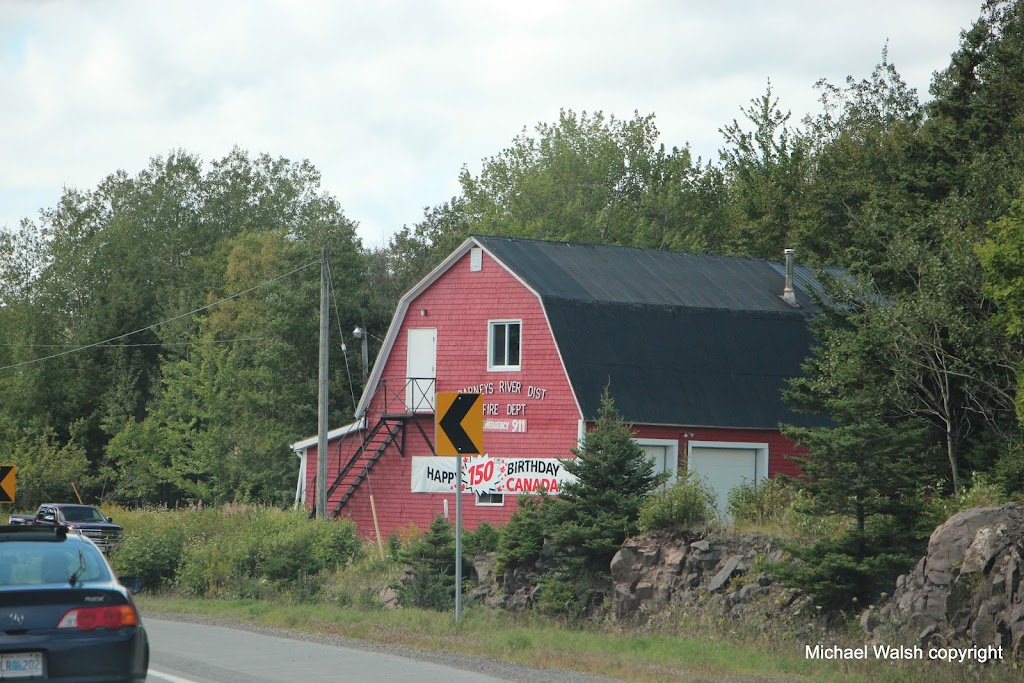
<point>86,520</point>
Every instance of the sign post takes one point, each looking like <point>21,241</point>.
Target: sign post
<point>459,431</point>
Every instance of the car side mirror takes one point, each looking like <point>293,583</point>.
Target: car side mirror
<point>110,520</point>
<point>134,584</point>
<point>48,518</point>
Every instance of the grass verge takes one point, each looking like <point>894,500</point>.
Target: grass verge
<point>706,652</point>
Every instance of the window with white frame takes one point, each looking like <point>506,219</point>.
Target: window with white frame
<point>503,344</point>
<point>483,499</point>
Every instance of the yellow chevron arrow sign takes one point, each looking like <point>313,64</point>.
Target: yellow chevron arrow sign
<point>459,429</point>
<point>7,473</point>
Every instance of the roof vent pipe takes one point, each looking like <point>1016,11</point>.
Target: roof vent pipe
<point>787,293</point>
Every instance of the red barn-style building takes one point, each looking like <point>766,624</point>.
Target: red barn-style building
<point>695,350</point>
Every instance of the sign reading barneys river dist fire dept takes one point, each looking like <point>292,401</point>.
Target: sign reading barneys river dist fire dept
<point>484,474</point>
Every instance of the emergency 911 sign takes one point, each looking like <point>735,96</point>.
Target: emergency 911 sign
<point>459,429</point>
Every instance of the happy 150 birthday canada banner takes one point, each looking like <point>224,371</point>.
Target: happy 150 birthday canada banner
<point>484,474</point>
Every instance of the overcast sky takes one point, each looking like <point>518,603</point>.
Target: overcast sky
<point>389,99</point>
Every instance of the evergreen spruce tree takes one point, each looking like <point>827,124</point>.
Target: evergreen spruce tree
<point>596,513</point>
<point>868,467</point>
<point>432,559</point>
<point>870,473</point>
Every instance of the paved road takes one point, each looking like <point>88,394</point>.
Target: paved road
<point>183,652</point>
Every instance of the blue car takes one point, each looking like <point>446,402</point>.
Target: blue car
<point>64,615</point>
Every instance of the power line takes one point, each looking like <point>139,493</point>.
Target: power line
<point>119,346</point>
<point>344,348</point>
<point>156,325</point>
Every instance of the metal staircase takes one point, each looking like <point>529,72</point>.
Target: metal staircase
<point>389,430</point>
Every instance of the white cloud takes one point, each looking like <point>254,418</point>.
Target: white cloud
<point>390,99</point>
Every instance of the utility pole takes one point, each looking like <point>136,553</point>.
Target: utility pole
<point>321,448</point>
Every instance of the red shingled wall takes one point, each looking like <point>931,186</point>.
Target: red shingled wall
<point>459,305</point>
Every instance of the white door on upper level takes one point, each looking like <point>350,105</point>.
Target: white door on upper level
<point>421,369</point>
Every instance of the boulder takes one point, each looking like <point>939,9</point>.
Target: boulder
<point>483,568</point>
<point>729,568</point>
<point>389,598</point>
<point>966,591</point>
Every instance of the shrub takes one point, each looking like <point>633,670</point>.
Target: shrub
<point>1009,470</point>
<point>152,548</point>
<point>237,551</point>
<point>394,547</point>
<point>797,521</point>
<point>763,503</point>
<point>521,540</point>
<point>981,491</point>
<point>219,552</point>
<point>978,491</point>
<point>408,533</point>
<point>433,562</point>
<point>562,598</point>
<point>853,569</point>
<point>210,568</point>
<point>288,551</point>
<point>482,540</point>
<point>360,583</point>
<point>688,503</point>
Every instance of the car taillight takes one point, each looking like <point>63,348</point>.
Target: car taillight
<point>91,618</point>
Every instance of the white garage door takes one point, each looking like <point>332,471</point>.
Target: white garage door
<point>724,468</point>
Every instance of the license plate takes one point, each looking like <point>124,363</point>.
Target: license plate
<point>21,665</point>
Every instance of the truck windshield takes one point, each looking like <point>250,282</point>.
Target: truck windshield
<point>85,513</point>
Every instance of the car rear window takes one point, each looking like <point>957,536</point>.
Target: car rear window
<point>27,563</point>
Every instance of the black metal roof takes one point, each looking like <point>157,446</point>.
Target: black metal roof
<point>679,339</point>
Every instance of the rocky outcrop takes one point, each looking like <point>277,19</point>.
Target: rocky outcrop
<point>516,591</point>
<point>657,573</point>
<point>967,590</point>
<point>654,575</point>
